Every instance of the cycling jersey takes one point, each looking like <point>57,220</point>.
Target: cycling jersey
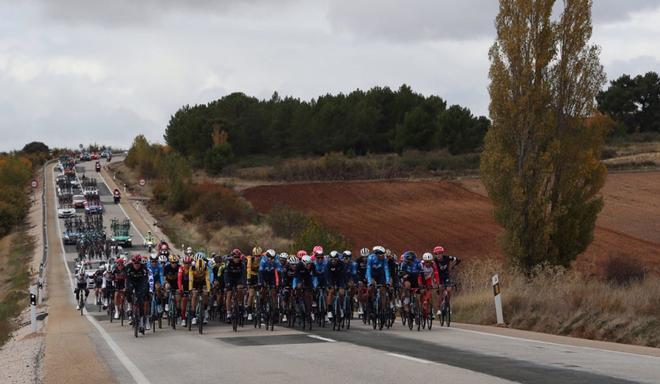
<point>137,280</point>
<point>234,274</point>
<point>305,276</point>
<point>119,277</point>
<point>268,271</point>
<point>252,269</point>
<point>199,276</point>
<point>320,266</point>
<point>335,274</point>
<point>443,263</point>
<point>361,269</point>
<point>171,272</point>
<point>429,276</point>
<point>411,271</point>
<point>288,275</point>
<point>351,271</point>
<point>183,278</point>
<point>377,270</point>
<point>158,273</point>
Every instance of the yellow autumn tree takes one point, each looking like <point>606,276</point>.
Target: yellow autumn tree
<point>541,161</point>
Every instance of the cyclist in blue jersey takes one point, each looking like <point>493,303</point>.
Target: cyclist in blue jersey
<point>335,277</point>
<point>409,270</point>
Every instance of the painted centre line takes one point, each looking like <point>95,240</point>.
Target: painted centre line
<point>411,358</point>
<point>322,338</point>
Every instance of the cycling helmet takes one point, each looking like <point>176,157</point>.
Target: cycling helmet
<point>187,259</point>
<point>174,259</point>
<point>271,253</point>
<point>364,252</point>
<point>427,256</point>
<point>136,259</point>
<point>307,259</point>
<point>438,249</point>
<point>409,255</point>
<point>284,256</point>
<point>379,250</point>
<point>237,251</point>
<point>334,255</point>
<point>144,260</point>
<point>120,261</point>
<point>347,253</point>
<point>388,252</point>
<point>200,256</point>
<point>211,263</point>
<point>256,251</point>
<point>302,253</point>
<point>162,259</point>
<point>318,250</point>
<point>293,260</point>
<point>102,267</point>
<point>165,252</point>
<point>189,251</point>
<point>153,257</point>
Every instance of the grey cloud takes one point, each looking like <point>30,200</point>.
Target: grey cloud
<point>406,20</point>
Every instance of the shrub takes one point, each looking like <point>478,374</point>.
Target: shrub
<point>287,222</point>
<point>215,203</point>
<point>316,233</point>
<point>623,269</point>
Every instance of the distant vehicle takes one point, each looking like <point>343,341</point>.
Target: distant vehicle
<point>98,166</point>
<point>85,156</point>
<point>94,156</point>
<point>65,212</point>
<point>121,232</point>
<point>70,237</point>
<point>104,154</point>
<point>58,167</point>
<point>93,206</point>
<point>79,201</point>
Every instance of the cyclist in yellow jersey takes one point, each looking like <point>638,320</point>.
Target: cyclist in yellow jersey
<point>199,278</point>
<point>252,274</point>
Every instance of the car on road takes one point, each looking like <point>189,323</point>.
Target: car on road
<point>93,206</point>
<point>85,156</point>
<point>70,237</point>
<point>122,240</point>
<point>94,156</point>
<point>66,212</point>
<point>78,201</point>
<point>90,191</point>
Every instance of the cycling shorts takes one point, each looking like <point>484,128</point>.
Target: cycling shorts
<point>199,284</point>
<point>268,279</point>
<point>253,280</point>
<point>232,282</point>
<point>414,282</point>
<point>379,279</point>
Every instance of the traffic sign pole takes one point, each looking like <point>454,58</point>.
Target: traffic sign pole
<point>498,299</point>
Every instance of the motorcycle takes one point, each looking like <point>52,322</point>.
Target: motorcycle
<point>117,196</point>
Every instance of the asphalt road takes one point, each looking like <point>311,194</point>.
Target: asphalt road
<point>361,355</point>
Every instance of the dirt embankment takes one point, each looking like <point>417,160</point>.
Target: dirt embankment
<point>419,214</point>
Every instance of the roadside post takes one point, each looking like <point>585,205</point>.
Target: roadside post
<point>33,308</point>
<point>34,184</point>
<point>498,299</point>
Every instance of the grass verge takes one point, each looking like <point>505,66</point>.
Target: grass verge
<point>14,262</point>
<point>562,302</point>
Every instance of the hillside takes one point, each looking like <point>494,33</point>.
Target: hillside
<point>418,214</point>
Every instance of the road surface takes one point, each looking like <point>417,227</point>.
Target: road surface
<point>99,351</point>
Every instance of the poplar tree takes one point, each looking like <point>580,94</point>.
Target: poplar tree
<point>541,161</point>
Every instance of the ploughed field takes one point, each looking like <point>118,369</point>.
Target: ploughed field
<point>416,215</point>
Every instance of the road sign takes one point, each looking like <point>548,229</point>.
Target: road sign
<point>34,183</point>
<point>142,182</point>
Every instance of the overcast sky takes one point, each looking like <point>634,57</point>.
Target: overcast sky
<point>82,71</point>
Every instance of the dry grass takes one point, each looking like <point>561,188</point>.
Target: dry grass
<point>563,302</point>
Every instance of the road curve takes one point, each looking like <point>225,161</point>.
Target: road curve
<point>468,355</point>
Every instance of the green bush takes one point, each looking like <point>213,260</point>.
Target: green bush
<point>287,222</point>
<point>316,233</point>
<point>216,204</point>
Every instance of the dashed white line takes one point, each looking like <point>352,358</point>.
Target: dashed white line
<point>411,358</point>
<point>132,369</point>
<point>322,338</point>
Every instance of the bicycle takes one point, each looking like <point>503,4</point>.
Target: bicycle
<point>111,304</point>
<point>156,313</point>
<point>81,300</point>
<point>414,311</point>
<point>267,310</point>
<point>379,303</point>
<point>138,315</point>
<point>236,311</point>
<point>321,309</point>
<point>341,312</point>
<point>172,314</point>
<point>445,305</point>
<point>427,308</point>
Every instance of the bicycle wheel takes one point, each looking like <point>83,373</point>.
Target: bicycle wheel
<point>111,310</point>
<point>430,315</point>
<point>81,303</point>
<point>200,315</point>
<point>448,309</point>
<point>189,314</point>
<point>122,312</point>
<point>348,312</point>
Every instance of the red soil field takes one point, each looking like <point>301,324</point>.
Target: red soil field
<point>416,215</point>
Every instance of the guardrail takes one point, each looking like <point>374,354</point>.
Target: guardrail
<point>44,257</point>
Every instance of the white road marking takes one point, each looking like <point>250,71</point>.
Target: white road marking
<point>133,370</point>
<point>411,358</point>
<point>322,338</point>
<point>144,240</point>
<point>553,344</point>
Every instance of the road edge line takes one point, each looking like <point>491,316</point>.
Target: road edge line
<point>322,338</point>
<point>133,370</point>
<point>406,357</point>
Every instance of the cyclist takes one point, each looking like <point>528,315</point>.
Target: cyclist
<point>234,278</point>
<point>158,275</point>
<point>393,267</point>
<point>269,267</point>
<point>183,285</point>
<point>98,283</point>
<point>149,238</point>
<point>444,263</point>
<point>218,271</point>
<point>429,278</point>
<point>288,275</point>
<point>119,278</point>
<point>377,272</point>
<point>320,266</point>
<point>81,284</point>
<point>171,273</point>
<point>199,279</point>
<point>317,251</point>
<point>137,283</point>
<point>361,275</point>
<point>410,271</point>
<point>305,282</point>
<point>252,274</point>
<point>300,254</point>
<point>107,287</point>
<point>335,277</point>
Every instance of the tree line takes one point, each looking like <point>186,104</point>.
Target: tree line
<point>380,120</point>
<point>634,103</point>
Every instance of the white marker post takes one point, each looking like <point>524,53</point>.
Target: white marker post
<point>33,308</point>
<point>498,299</point>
